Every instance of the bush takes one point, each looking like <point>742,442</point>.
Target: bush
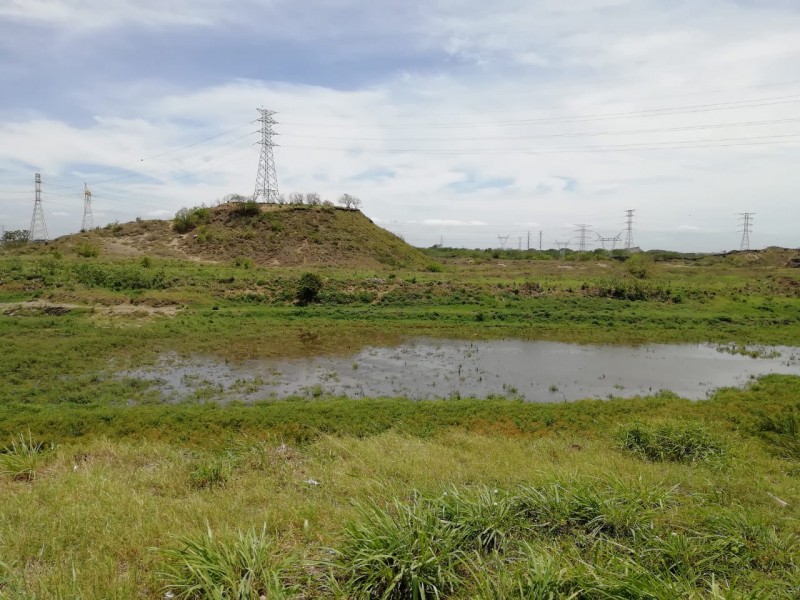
<point>308,288</point>
<point>640,265</point>
<point>671,443</point>
<point>187,219</point>
<point>248,208</point>
<point>87,250</point>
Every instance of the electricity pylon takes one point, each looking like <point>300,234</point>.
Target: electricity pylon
<point>267,178</point>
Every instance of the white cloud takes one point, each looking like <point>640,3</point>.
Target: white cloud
<point>556,62</point>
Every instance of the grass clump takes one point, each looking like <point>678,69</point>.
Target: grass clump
<point>245,567</point>
<point>403,551</point>
<point>683,443</point>
<point>210,475</point>
<point>23,458</point>
<point>782,433</point>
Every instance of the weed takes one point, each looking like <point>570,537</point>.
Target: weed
<point>210,475</point>
<point>23,458</point>
<point>672,442</point>
<point>246,567</point>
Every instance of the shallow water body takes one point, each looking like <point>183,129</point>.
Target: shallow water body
<point>424,368</point>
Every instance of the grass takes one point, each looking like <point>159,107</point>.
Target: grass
<point>111,493</point>
<point>22,460</point>
<point>672,442</point>
<point>248,566</point>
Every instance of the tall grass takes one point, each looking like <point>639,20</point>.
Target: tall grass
<point>23,458</point>
<point>402,551</point>
<point>782,432</point>
<point>690,442</point>
<point>245,567</point>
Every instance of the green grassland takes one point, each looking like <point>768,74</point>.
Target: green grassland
<point>107,492</point>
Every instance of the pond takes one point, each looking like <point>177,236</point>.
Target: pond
<point>424,368</point>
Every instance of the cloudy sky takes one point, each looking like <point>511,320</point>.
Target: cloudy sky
<point>453,120</point>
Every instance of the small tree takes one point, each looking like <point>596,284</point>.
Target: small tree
<point>296,198</point>
<point>349,201</point>
<point>313,199</point>
<point>308,288</point>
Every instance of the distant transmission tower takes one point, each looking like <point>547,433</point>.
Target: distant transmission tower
<point>612,240</point>
<point>562,246</point>
<point>38,230</point>
<point>582,230</point>
<point>747,229</point>
<point>503,239</point>
<point>267,178</point>
<point>88,219</point>
<point>629,230</point>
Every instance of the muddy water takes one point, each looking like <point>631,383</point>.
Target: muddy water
<point>425,368</point>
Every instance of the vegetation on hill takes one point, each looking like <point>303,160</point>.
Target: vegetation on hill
<point>274,235</point>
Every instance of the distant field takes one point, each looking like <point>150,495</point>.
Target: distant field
<point>106,492</point>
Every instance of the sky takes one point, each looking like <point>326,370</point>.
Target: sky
<point>467,123</point>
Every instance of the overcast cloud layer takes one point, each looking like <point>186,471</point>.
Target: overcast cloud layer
<point>453,121</point>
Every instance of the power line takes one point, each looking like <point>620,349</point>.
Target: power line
<point>552,135</point>
<point>666,111</point>
<point>675,145</point>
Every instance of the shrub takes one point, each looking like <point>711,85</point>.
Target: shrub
<point>640,265</point>
<point>671,443</point>
<point>309,287</point>
<point>246,567</point>
<point>87,250</point>
<point>434,268</point>
<point>187,219</point>
<point>248,208</point>
<point>23,458</point>
<point>243,262</point>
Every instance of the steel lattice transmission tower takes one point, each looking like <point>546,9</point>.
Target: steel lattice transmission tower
<point>562,247</point>
<point>582,231</point>
<point>38,230</point>
<point>88,219</point>
<point>629,229</point>
<point>747,229</point>
<point>267,178</point>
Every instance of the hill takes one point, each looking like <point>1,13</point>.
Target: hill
<point>267,234</point>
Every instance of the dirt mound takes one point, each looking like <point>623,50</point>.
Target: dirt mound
<point>265,234</point>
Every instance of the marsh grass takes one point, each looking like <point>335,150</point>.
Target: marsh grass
<point>782,433</point>
<point>247,566</point>
<point>672,442</point>
<point>24,458</point>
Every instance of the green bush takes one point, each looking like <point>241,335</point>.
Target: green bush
<point>309,287</point>
<point>187,219</point>
<point>247,208</point>
<point>87,250</point>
